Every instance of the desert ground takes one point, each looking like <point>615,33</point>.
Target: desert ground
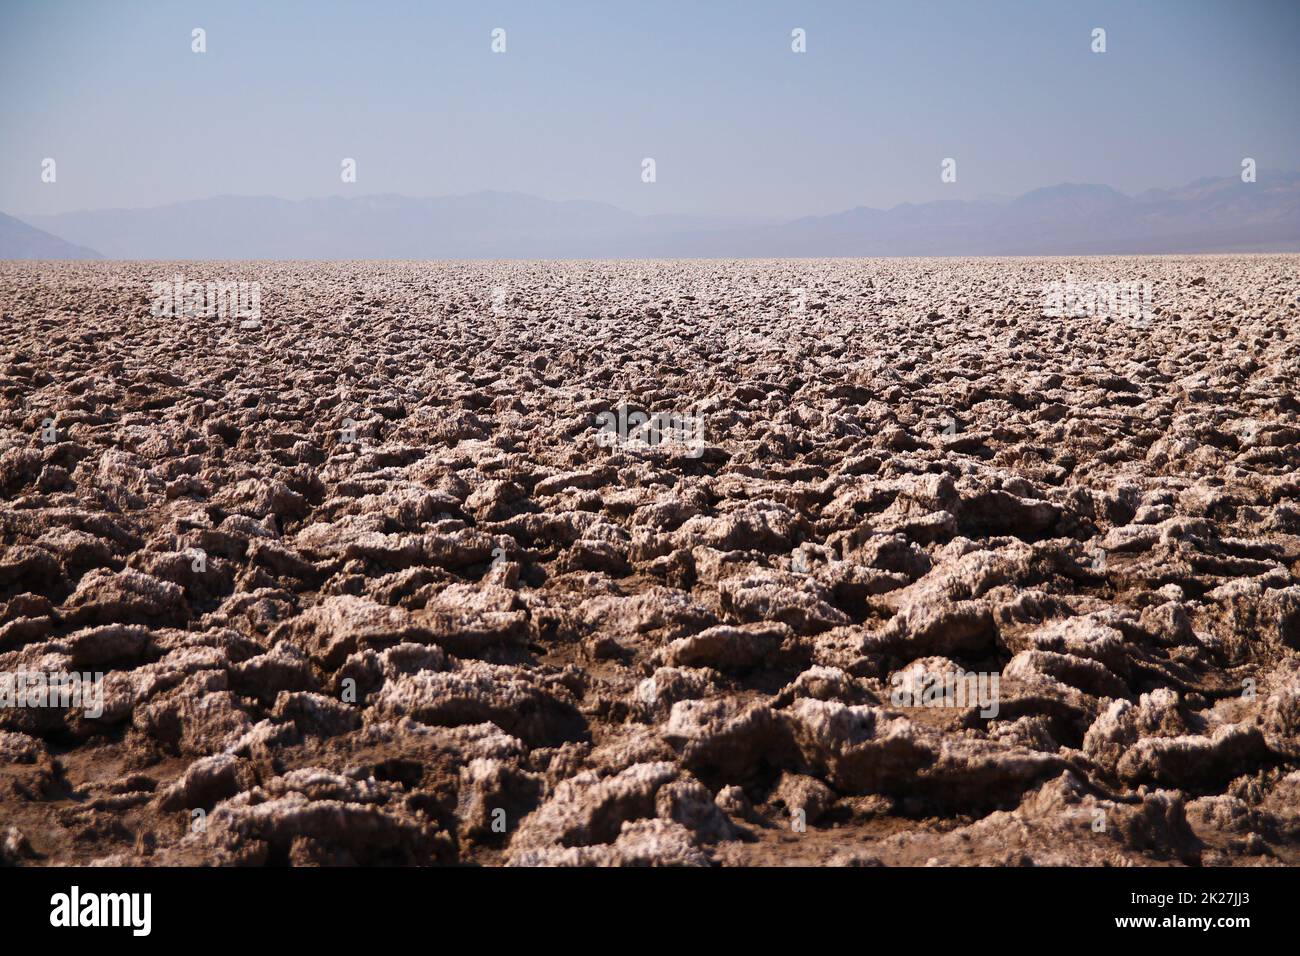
<point>388,573</point>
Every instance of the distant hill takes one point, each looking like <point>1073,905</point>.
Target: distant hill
<point>479,225</point>
<point>1218,215</point>
<point>1211,215</point>
<point>18,240</point>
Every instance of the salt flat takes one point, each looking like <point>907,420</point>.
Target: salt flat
<point>653,562</point>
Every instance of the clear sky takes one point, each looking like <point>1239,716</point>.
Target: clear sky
<point>737,123</point>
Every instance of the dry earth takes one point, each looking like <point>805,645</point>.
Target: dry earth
<point>372,651</point>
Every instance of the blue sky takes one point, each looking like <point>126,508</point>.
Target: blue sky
<point>736,122</point>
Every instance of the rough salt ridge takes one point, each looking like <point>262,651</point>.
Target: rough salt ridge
<point>475,633</point>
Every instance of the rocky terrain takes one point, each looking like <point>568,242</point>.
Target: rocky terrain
<point>368,582</point>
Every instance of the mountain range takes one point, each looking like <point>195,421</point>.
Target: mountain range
<point>18,240</point>
<point>1209,215</point>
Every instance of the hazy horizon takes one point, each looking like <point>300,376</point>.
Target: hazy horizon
<point>739,217</point>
